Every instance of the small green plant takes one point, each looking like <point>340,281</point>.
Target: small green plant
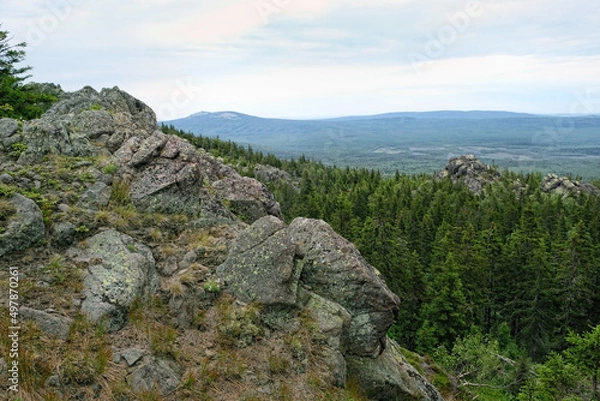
<point>82,229</point>
<point>96,106</point>
<point>18,149</point>
<point>212,287</point>
<point>131,248</point>
<point>7,191</point>
<point>86,177</point>
<point>54,268</point>
<point>110,169</point>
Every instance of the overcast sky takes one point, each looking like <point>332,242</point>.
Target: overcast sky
<point>319,58</point>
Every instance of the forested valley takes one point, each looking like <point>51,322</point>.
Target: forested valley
<point>500,291</point>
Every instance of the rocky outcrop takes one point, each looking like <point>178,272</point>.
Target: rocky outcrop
<point>143,225</point>
<point>469,170</point>
<point>24,228</point>
<point>552,183</point>
<point>119,271</point>
<point>309,266</point>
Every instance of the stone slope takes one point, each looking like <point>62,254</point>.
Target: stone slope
<point>128,243</point>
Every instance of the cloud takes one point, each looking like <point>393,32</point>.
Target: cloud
<point>318,56</point>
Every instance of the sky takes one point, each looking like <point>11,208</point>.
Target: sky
<point>319,58</point>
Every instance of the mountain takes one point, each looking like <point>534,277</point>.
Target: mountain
<point>141,267</point>
<point>417,142</point>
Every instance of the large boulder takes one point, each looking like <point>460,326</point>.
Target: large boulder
<point>247,197</point>
<point>24,228</point>
<point>47,136</point>
<point>390,377</point>
<point>260,266</point>
<point>334,269</point>
<point>120,270</point>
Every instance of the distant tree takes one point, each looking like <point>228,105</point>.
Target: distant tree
<point>18,100</point>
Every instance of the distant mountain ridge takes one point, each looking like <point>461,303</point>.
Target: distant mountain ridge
<point>417,142</point>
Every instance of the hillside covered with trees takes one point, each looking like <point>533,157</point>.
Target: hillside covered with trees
<point>500,288</point>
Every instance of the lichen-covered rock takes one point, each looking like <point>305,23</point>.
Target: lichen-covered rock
<point>120,270</point>
<point>24,228</point>
<point>113,100</point>
<point>47,136</point>
<point>98,195</point>
<point>63,233</point>
<point>94,123</point>
<point>334,269</point>
<point>260,266</point>
<point>248,198</point>
<point>471,171</point>
<point>331,319</point>
<point>390,377</point>
<point>158,374</point>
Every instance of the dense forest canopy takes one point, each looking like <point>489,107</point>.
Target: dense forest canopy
<point>508,280</point>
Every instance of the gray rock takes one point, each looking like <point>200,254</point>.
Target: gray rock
<point>168,186</point>
<point>270,174</point>
<point>50,324</point>
<point>260,266</point>
<point>469,170</point>
<point>25,228</point>
<point>151,146</point>
<point>46,136</point>
<point>113,100</point>
<point>52,381</point>
<point>8,127</point>
<point>158,374</point>
<point>120,271</point>
<point>334,269</point>
<point>6,179</point>
<point>98,195</point>
<point>94,123</point>
<point>390,377</point>
<point>132,356</point>
<point>248,198</point>
<point>63,233</point>
<point>63,207</point>
<point>169,267</point>
<point>565,186</point>
<point>332,320</point>
<point>188,259</point>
